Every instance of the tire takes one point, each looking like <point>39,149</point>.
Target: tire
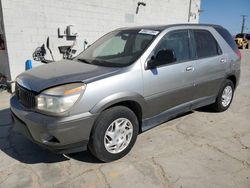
<point>105,125</point>
<point>221,103</point>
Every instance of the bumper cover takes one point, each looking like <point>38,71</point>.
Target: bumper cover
<point>58,134</point>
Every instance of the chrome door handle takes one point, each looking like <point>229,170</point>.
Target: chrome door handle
<point>223,60</point>
<point>190,68</point>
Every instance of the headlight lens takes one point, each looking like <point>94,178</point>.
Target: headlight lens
<point>59,99</point>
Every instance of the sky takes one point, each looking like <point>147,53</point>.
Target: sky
<point>226,13</point>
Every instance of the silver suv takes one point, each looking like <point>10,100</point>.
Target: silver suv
<point>128,81</point>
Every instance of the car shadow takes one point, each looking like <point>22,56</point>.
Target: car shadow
<point>19,148</point>
<point>207,109</point>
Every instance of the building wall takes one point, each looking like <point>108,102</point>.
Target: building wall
<point>29,22</point>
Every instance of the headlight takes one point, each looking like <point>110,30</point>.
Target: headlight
<point>59,99</point>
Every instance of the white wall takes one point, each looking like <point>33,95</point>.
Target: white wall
<point>29,22</point>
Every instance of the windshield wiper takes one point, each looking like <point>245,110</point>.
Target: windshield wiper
<point>84,61</point>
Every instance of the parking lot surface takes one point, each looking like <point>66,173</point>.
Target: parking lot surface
<point>198,149</point>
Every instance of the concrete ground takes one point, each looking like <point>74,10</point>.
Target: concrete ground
<point>199,149</point>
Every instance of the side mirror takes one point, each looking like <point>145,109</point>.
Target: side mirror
<point>151,64</point>
<point>163,57</point>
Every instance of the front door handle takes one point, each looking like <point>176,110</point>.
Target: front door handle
<point>190,68</point>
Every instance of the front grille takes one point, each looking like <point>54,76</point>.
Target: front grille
<point>26,97</point>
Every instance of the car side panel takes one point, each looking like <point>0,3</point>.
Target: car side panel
<point>172,86</point>
<point>100,94</point>
<point>169,85</point>
<point>209,75</point>
<point>210,72</point>
<point>117,98</point>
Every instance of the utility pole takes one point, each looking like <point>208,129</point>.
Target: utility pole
<point>189,10</point>
<point>243,23</point>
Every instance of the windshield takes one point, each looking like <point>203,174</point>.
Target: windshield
<point>118,48</point>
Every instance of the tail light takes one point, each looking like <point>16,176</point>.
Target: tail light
<point>238,53</point>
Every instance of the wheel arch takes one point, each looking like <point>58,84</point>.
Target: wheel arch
<point>133,101</point>
<point>233,79</point>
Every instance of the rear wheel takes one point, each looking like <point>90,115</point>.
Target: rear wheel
<point>114,133</point>
<point>224,97</point>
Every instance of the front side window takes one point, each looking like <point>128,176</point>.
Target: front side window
<point>178,42</point>
<point>206,45</point>
<point>118,48</point>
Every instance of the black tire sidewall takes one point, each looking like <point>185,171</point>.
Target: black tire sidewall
<point>96,145</point>
<point>219,106</point>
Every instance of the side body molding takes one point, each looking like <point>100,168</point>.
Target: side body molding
<point>119,97</point>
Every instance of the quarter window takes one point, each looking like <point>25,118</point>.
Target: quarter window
<point>206,45</point>
<point>227,37</point>
<point>178,41</point>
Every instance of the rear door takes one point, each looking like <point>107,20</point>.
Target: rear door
<point>209,66</point>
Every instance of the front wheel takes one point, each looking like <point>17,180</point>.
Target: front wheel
<point>114,133</point>
<point>224,97</point>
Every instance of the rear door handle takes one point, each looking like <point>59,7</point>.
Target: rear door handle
<point>223,60</point>
<point>190,68</point>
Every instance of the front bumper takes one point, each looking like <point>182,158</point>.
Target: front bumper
<point>58,134</point>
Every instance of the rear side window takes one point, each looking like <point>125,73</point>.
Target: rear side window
<point>227,37</point>
<point>206,45</point>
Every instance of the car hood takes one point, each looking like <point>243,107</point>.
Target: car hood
<point>61,72</point>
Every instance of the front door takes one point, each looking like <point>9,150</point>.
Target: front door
<point>170,85</point>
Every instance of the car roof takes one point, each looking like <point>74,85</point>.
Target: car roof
<point>163,27</point>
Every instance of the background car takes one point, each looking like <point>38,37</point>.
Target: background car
<point>242,40</point>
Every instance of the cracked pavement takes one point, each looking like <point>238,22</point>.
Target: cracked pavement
<point>198,149</point>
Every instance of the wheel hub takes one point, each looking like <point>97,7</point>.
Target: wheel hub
<point>227,95</point>
<point>118,135</point>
